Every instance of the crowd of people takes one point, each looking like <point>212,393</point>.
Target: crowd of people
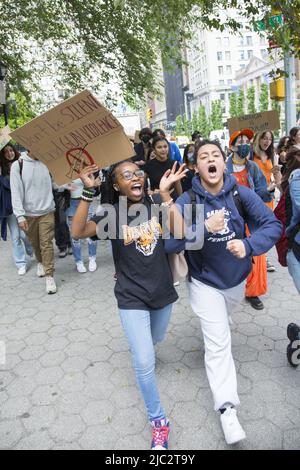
<point>235,193</point>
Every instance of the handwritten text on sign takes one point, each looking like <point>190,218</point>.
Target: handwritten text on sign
<point>77,129</point>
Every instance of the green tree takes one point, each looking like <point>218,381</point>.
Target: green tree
<point>216,115</point>
<point>240,107</point>
<point>233,105</point>
<point>195,124</point>
<point>277,107</point>
<point>179,129</point>
<point>203,122</point>
<point>20,111</point>
<point>251,100</point>
<point>264,97</point>
<point>187,125</point>
<point>102,42</point>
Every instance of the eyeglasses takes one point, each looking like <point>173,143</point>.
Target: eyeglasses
<point>128,175</point>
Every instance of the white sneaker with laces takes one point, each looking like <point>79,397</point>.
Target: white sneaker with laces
<point>92,264</point>
<point>22,271</point>
<point>232,429</point>
<point>40,270</point>
<point>50,285</point>
<point>80,267</point>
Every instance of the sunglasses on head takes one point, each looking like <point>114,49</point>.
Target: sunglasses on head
<point>128,175</point>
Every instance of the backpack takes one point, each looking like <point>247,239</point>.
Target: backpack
<point>283,213</point>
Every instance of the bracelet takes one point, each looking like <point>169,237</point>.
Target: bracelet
<point>168,203</point>
<point>87,194</point>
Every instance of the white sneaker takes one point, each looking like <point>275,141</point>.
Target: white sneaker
<point>22,271</point>
<point>80,267</point>
<point>92,264</point>
<point>50,285</point>
<point>40,272</point>
<point>232,429</point>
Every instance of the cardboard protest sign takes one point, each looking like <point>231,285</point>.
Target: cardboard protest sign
<point>4,136</point>
<point>75,133</point>
<point>259,122</point>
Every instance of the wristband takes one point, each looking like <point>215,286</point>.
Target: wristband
<point>87,194</point>
<point>168,203</point>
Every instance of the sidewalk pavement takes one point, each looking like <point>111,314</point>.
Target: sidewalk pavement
<point>68,382</point>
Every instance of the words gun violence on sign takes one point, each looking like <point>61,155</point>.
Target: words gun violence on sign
<point>78,132</point>
<point>258,122</point>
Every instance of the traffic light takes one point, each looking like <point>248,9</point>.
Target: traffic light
<point>277,90</point>
<point>149,114</point>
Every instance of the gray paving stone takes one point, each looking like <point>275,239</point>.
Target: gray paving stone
<point>37,441</point>
<point>99,438</point>
<point>15,407</point>
<point>49,375</point>
<point>39,418</point>
<point>67,428</point>
<point>98,413</point>
<point>291,439</point>
<point>10,433</point>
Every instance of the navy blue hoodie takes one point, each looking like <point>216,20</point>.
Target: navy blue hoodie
<point>214,265</point>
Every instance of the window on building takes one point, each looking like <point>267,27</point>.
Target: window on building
<point>249,41</point>
<point>264,53</point>
<point>242,55</point>
<point>227,55</point>
<point>229,82</point>
<point>241,41</point>
<point>222,96</point>
<point>221,70</point>
<point>226,42</point>
<point>262,40</point>
<point>221,82</point>
<point>228,69</point>
<point>242,66</point>
<point>250,54</point>
<point>219,55</point>
<point>219,42</point>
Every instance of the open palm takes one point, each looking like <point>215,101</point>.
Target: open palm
<point>171,177</point>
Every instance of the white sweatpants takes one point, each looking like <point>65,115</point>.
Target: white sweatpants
<point>213,307</point>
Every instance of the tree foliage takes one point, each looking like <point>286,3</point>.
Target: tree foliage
<point>233,105</point>
<point>101,42</point>
<point>216,115</point>
<point>251,100</point>
<point>264,97</point>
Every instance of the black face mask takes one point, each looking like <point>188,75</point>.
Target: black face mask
<point>146,138</point>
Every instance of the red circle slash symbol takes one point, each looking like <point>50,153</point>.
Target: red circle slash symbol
<point>78,158</point>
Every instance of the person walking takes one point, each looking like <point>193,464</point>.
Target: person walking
<point>144,287</point>
<point>76,193</point>
<point>33,206</point>
<point>247,173</point>
<point>188,160</point>
<point>174,151</point>
<point>20,243</point>
<point>218,271</point>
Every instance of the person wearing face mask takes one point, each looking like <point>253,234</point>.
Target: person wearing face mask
<point>144,148</point>
<point>247,173</point>
<point>188,159</point>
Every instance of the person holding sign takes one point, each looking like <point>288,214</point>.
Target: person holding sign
<point>33,205</point>
<point>144,287</point>
<point>20,242</point>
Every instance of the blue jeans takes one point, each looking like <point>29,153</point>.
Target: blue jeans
<point>294,269</point>
<point>20,243</point>
<point>145,328</point>
<point>76,244</point>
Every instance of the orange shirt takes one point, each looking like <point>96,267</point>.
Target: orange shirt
<point>242,177</point>
<point>266,169</point>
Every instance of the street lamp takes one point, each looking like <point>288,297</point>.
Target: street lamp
<point>3,73</point>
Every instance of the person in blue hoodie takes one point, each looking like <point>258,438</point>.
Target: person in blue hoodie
<point>219,269</point>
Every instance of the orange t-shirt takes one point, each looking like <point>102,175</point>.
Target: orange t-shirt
<point>242,177</point>
<point>266,168</point>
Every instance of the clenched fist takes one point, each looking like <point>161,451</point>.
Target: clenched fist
<point>237,248</point>
<point>216,222</point>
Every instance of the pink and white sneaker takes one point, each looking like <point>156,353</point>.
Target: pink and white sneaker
<point>160,434</point>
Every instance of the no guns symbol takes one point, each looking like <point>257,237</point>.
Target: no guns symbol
<point>78,158</point>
